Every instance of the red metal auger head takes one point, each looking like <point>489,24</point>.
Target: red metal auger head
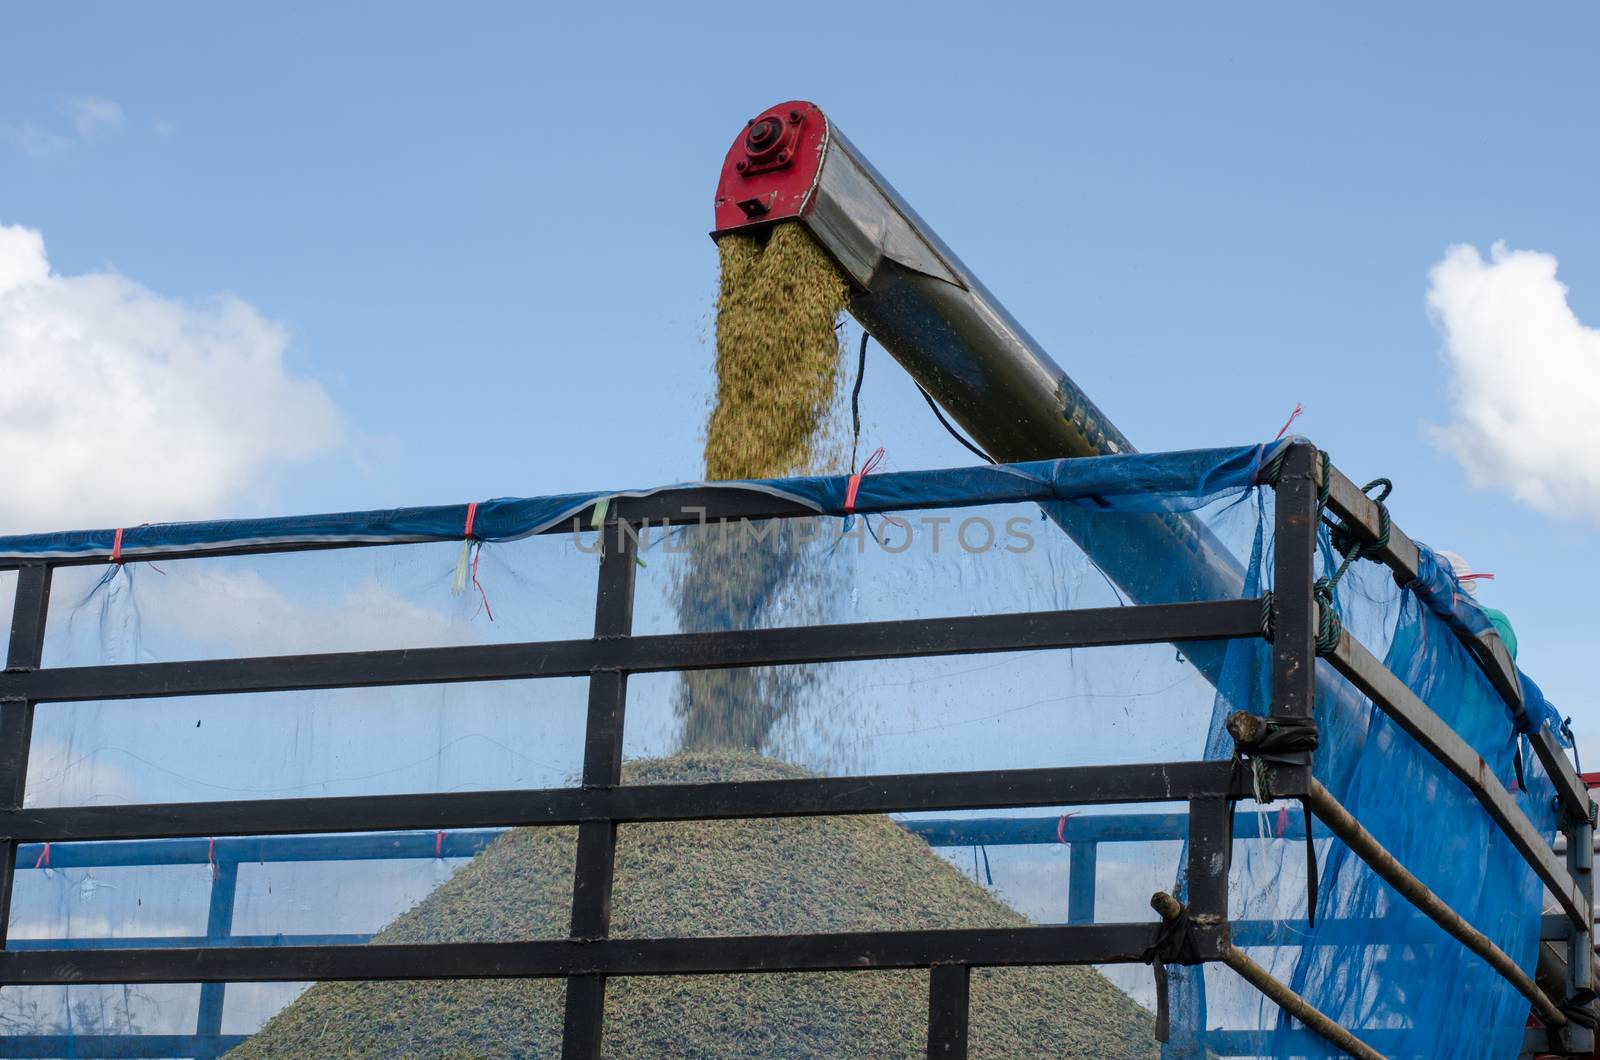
<point>771,170</point>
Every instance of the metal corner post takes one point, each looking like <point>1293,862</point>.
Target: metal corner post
<point>25,652</point>
<point>1294,606</point>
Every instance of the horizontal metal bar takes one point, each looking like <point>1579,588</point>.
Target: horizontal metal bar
<point>1042,831</point>
<point>1373,679</point>
<point>849,951</point>
<point>468,842</point>
<point>148,942</point>
<point>807,797</point>
<point>1091,828</point>
<point>1570,788</point>
<point>1359,512</point>
<point>689,505</point>
<point>198,1046</point>
<point>457,843</point>
<point>1245,933</point>
<point>1391,871</point>
<point>970,634</point>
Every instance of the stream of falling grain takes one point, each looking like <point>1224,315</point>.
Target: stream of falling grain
<point>778,367</point>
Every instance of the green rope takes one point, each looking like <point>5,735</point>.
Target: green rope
<point>1330,628</point>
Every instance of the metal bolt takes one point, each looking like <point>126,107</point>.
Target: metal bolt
<point>794,117</point>
<point>741,166</point>
<point>783,156</point>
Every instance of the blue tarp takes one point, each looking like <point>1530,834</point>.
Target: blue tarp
<point>1144,482</point>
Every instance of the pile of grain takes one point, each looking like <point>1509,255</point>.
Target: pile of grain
<point>711,878</point>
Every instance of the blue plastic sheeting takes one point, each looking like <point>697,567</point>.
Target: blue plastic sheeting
<point>1406,997</point>
<point>1437,587</point>
<point>1156,482</point>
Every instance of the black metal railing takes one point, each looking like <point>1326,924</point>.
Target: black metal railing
<point>590,955</point>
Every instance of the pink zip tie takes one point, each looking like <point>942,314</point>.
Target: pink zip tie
<point>44,858</point>
<point>1298,409</point>
<point>438,844</point>
<point>116,547</point>
<point>1061,827</point>
<point>855,480</point>
<point>211,857</point>
<point>477,551</point>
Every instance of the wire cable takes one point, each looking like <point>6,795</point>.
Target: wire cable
<point>953,432</point>
<point>855,400</point>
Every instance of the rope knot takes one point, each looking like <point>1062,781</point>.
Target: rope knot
<point>1330,627</point>
<point>1174,944</point>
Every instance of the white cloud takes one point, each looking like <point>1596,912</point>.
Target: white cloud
<point>91,119</point>
<point>33,139</point>
<point>241,612</point>
<point>1525,378</point>
<point>91,116</point>
<point>121,406</point>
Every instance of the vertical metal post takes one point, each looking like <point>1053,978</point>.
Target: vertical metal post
<point>602,768</point>
<point>25,651</point>
<point>1294,609</point>
<point>1296,518</point>
<point>1080,882</point>
<point>219,925</point>
<point>949,987</point>
<point>1210,851</point>
<point>1580,1040</point>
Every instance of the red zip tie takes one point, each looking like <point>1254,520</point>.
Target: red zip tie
<point>211,857</point>
<point>44,858</point>
<point>472,513</point>
<point>1474,577</point>
<point>116,547</point>
<point>438,844</point>
<point>1061,827</point>
<point>1298,409</point>
<point>855,480</point>
<point>1283,821</point>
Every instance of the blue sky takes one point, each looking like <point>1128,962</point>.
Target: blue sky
<point>483,229</point>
